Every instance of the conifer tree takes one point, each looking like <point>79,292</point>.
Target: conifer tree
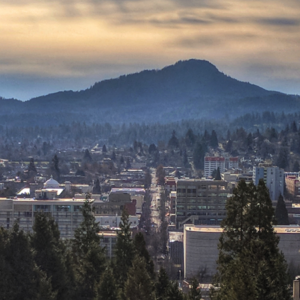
<point>174,293</point>
<point>20,278</point>
<point>125,251</point>
<point>281,213</point>
<point>89,259</point>
<point>141,250</point>
<point>138,285</point>
<point>194,292</point>
<point>250,265</point>
<point>107,288</point>
<point>162,284</point>
<point>49,253</point>
<point>97,187</point>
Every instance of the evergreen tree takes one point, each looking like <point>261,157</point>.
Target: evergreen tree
<point>49,253</point>
<point>162,284</point>
<point>54,168</point>
<point>283,158</point>
<point>97,187</point>
<point>195,291</point>
<point>174,293</point>
<point>138,285</point>
<point>296,166</point>
<point>190,138</point>
<point>148,180</point>
<point>141,250</point>
<point>214,140</point>
<point>88,255</point>
<point>281,213</point>
<point>113,156</point>
<point>198,155</point>
<point>125,251</point>
<point>20,278</point>
<point>104,150</point>
<point>218,175</point>
<point>87,158</point>
<point>250,265</point>
<point>107,288</point>
<point>173,142</point>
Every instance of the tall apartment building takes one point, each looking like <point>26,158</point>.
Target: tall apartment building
<point>200,202</point>
<point>273,178</point>
<point>212,163</point>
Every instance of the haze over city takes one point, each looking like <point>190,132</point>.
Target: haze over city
<point>47,46</point>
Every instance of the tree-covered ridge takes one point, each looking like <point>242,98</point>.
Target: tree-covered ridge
<point>185,90</point>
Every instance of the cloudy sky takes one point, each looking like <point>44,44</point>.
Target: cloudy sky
<point>52,45</point>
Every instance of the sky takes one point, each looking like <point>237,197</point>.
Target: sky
<point>53,45</point>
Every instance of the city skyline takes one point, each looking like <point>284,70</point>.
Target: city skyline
<point>48,46</point>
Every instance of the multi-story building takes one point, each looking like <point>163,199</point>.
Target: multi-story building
<point>200,201</point>
<point>292,184</point>
<point>232,163</point>
<point>273,178</point>
<point>66,212</point>
<point>200,244</point>
<point>212,163</point>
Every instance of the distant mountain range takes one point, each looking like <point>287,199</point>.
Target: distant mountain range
<point>188,89</point>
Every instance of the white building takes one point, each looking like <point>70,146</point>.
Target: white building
<point>212,163</point>
<point>200,246</point>
<point>273,178</point>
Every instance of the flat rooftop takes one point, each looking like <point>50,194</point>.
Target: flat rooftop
<point>217,229</point>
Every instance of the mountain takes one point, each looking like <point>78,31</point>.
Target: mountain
<point>185,90</point>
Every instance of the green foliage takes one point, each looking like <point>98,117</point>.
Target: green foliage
<point>87,253</point>
<point>20,277</point>
<point>198,155</point>
<point>250,265</point>
<point>162,285</point>
<point>97,187</point>
<point>107,288</point>
<point>173,141</point>
<point>195,291</point>
<point>141,250</point>
<point>281,213</point>
<point>138,285</point>
<point>214,140</point>
<point>125,251</point>
<point>50,253</point>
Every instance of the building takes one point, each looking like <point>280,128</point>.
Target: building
<point>66,213</point>
<point>292,184</point>
<point>232,163</point>
<point>200,244</point>
<point>108,241</point>
<point>273,178</point>
<point>114,221</point>
<point>200,201</point>
<point>212,163</point>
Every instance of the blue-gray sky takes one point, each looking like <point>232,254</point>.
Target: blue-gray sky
<point>52,45</point>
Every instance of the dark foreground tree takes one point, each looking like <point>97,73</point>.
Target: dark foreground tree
<point>281,213</point>
<point>20,277</point>
<point>194,292</point>
<point>50,253</point>
<point>125,251</point>
<point>89,259</point>
<point>250,265</point>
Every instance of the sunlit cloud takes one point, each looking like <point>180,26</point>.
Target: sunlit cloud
<point>46,42</point>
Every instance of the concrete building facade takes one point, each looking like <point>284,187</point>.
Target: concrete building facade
<point>212,163</point>
<point>200,245</point>
<point>273,178</point>
<point>66,213</point>
<point>200,201</point>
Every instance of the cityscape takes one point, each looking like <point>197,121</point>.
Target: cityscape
<point>149,150</point>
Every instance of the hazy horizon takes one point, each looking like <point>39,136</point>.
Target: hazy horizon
<point>50,46</point>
